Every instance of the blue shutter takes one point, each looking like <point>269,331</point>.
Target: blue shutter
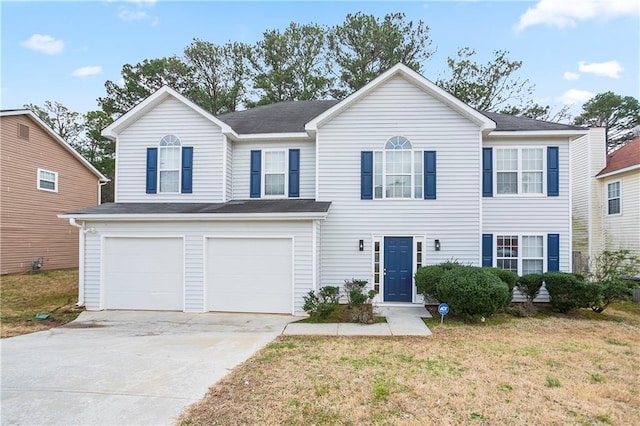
<point>429,175</point>
<point>294,173</point>
<point>487,250</point>
<point>187,170</point>
<point>553,189</point>
<point>366,175</point>
<point>152,170</point>
<point>256,164</point>
<point>487,172</point>
<point>553,252</point>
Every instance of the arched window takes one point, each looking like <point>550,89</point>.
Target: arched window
<point>398,170</point>
<point>169,164</point>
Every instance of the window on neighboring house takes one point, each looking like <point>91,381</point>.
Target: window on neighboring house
<point>169,164</point>
<point>522,255</point>
<point>275,170</point>
<point>519,170</point>
<point>398,170</point>
<point>47,180</point>
<point>23,131</point>
<point>613,198</point>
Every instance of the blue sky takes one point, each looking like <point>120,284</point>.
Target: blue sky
<point>64,51</point>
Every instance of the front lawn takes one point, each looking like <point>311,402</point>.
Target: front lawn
<point>551,369</point>
<point>50,292</point>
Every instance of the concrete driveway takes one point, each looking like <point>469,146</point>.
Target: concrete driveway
<point>125,367</point>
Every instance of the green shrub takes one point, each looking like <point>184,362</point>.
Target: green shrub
<point>322,304</point>
<point>427,278</point>
<point>359,301</point>
<point>610,291</point>
<point>567,292</point>
<point>472,291</point>
<point>529,285</point>
<point>507,277</point>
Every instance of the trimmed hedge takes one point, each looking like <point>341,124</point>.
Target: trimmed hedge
<point>472,292</point>
<point>427,278</point>
<point>530,285</point>
<point>568,292</point>
<point>507,277</point>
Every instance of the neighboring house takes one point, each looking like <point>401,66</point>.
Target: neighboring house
<point>606,198</point>
<point>251,210</point>
<point>41,176</point>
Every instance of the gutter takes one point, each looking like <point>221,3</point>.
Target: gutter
<point>195,216</point>
<point>83,231</point>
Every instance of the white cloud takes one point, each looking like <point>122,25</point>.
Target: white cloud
<point>566,13</point>
<point>574,96</point>
<point>86,71</point>
<point>132,15</point>
<point>571,75</point>
<point>44,44</point>
<point>610,69</point>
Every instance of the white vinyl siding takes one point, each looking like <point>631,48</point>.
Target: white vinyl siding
<point>229,168</point>
<point>398,107</point>
<point>241,162</point>
<point>621,231</point>
<point>195,235</point>
<point>533,214</point>
<point>170,117</point>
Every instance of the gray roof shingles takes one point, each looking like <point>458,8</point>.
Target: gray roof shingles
<point>232,207</point>
<point>291,116</point>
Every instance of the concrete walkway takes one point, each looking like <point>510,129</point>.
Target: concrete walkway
<point>401,321</point>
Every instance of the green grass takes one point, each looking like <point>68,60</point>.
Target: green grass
<point>26,295</point>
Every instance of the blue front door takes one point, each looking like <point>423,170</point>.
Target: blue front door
<point>398,260</point>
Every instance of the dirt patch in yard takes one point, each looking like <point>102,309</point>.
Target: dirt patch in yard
<point>522,371</point>
<point>23,296</point>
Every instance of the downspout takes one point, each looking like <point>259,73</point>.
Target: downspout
<point>100,185</point>
<point>82,229</point>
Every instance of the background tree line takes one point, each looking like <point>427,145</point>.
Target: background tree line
<point>308,62</point>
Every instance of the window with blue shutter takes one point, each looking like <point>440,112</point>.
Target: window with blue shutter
<point>429,175</point>
<point>487,172</point>
<point>186,186</point>
<point>256,162</point>
<point>294,173</point>
<point>152,170</point>
<point>366,175</point>
<point>553,178</point>
<point>553,252</point>
<point>487,250</point>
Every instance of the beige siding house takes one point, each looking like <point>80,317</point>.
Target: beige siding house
<point>605,197</point>
<point>41,176</point>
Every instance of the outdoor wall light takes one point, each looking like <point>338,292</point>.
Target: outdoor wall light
<point>437,245</point>
<point>361,245</point>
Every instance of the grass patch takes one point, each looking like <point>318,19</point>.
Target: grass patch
<point>49,292</point>
<point>462,374</point>
<point>342,314</point>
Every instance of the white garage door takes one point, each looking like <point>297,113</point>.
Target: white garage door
<point>250,275</point>
<point>143,273</point>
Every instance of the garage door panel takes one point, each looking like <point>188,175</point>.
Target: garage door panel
<point>143,273</point>
<point>250,274</point>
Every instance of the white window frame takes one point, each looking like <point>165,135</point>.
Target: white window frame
<point>519,172</point>
<point>160,169</point>
<point>619,197</point>
<point>263,172</point>
<point>382,155</point>
<point>39,179</point>
<point>520,258</point>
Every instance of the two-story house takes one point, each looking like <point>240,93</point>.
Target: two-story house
<point>41,176</point>
<point>251,210</point>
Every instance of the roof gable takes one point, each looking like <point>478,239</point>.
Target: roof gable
<point>625,158</point>
<point>151,102</point>
<point>44,126</point>
<point>414,78</point>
